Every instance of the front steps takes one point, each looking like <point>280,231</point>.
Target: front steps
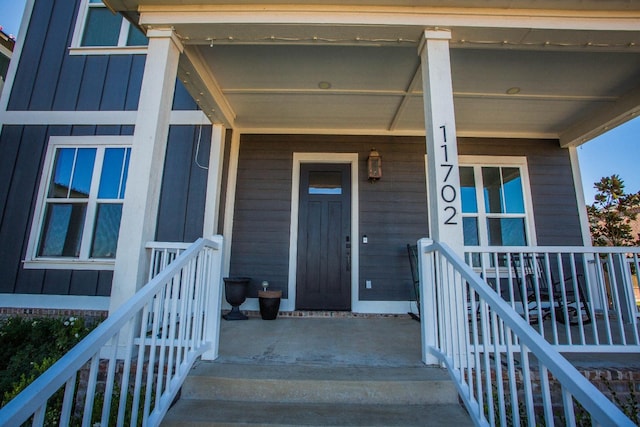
<point>226,394</point>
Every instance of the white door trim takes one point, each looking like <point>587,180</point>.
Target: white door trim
<point>299,158</point>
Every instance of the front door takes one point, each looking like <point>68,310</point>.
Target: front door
<point>323,280</point>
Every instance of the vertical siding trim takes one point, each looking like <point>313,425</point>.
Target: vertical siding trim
<point>231,200</point>
<point>214,180</point>
<point>580,200</point>
<point>352,159</point>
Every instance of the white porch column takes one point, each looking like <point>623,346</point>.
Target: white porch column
<point>139,214</point>
<point>445,221</point>
<point>214,181</point>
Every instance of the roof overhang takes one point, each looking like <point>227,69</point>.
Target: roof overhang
<point>540,69</point>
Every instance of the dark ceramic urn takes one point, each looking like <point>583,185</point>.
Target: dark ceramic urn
<point>235,292</point>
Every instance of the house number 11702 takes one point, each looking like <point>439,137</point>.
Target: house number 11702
<point>448,192</point>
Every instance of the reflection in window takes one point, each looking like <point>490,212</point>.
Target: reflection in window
<point>325,182</point>
<point>62,230</point>
<point>101,28</point>
<point>75,206</point>
<point>498,217</point>
<point>506,232</point>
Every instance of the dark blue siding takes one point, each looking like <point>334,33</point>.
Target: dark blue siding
<point>48,78</point>
<point>23,150</point>
<point>184,184</point>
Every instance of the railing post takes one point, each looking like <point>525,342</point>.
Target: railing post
<point>214,298</point>
<point>428,311</point>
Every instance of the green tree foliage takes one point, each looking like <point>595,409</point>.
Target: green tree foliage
<point>611,214</point>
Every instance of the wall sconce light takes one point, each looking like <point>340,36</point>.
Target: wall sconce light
<point>374,165</point>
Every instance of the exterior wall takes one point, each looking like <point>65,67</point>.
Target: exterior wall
<point>184,184</point>
<point>21,162</point>
<point>393,211</point>
<point>48,78</point>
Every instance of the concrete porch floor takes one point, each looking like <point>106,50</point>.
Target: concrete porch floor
<point>346,340</point>
<point>336,341</point>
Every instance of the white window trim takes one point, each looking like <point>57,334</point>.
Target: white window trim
<point>32,261</point>
<point>508,161</point>
<point>121,49</point>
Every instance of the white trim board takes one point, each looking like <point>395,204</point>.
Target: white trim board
<point>298,158</point>
<point>364,307</point>
<point>178,117</point>
<point>61,302</point>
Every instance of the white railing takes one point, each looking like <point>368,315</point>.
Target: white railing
<point>505,372</point>
<point>130,368</point>
<point>580,299</point>
<point>163,254</point>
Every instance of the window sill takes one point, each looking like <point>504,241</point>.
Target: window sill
<point>108,50</point>
<point>68,264</point>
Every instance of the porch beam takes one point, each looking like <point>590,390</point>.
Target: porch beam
<point>205,89</point>
<point>445,220</point>
<point>606,118</point>
<point>139,212</point>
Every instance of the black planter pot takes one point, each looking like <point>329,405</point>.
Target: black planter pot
<point>269,304</point>
<point>235,292</point>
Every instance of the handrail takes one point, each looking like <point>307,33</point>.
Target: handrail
<point>475,333</point>
<point>177,305</point>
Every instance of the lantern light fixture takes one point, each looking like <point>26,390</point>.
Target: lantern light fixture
<point>374,165</point>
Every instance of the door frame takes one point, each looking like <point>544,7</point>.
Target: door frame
<point>344,158</point>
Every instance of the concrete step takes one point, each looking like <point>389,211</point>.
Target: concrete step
<point>201,413</point>
<point>320,384</point>
<point>227,394</point>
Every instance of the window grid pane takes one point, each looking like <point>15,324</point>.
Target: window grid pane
<point>107,226</point>
<point>102,28</point>
<point>62,229</point>
<point>114,170</point>
<point>82,173</point>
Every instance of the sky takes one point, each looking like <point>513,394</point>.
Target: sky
<point>615,152</point>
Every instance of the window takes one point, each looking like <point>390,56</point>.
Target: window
<point>494,198</point>
<point>80,201</point>
<point>98,28</point>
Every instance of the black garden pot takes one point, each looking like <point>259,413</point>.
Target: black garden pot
<point>269,304</point>
<point>235,292</point>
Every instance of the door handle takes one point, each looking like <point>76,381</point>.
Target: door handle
<point>348,251</point>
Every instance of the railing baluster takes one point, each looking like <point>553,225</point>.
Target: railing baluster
<point>569,413</point>
<point>546,395</point>
<point>126,371</point>
<point>108,391</point>
<point>91,390</point>
<point>613,280</point>
<point>590,298</point>
<point>67,402</point>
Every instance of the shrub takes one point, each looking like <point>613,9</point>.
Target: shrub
<point>28,347</point>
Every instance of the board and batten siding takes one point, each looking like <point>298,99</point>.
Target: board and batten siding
<point>184,184</point>
<point>180,216</point>
<point>21,162</point>
<point>48,78</point>
<point>393,211</point>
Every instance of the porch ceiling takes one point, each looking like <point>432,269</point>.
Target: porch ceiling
<point>342,69</point>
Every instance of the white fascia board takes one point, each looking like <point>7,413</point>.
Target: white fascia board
<point>178,117</point>
<point>390,15</point>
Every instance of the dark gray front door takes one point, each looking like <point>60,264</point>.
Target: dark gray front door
<point>324,242</point>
